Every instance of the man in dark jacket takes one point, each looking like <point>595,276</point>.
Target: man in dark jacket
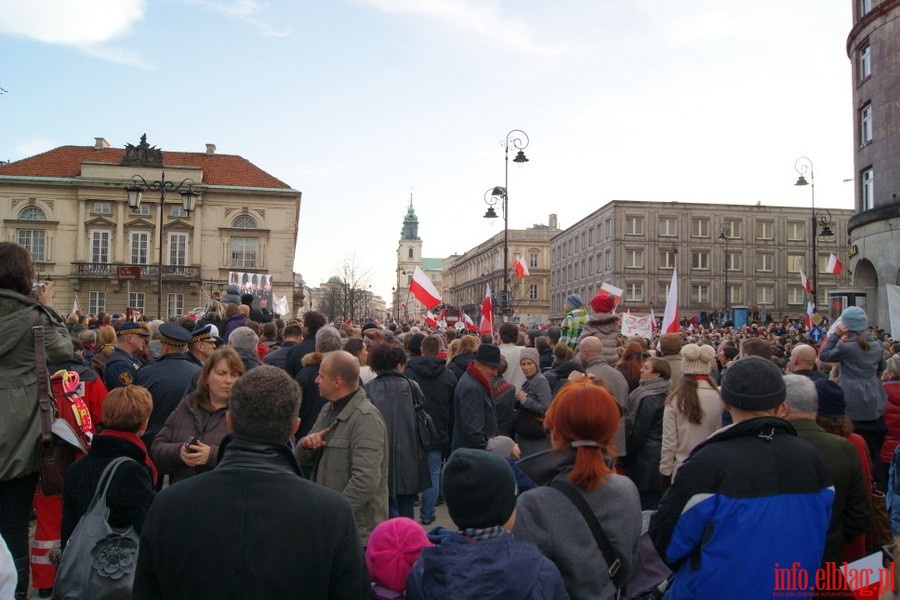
<point>474,417</point>
<point>752,498</point>
<point>312,322</point>
<point>289,338</point>
<point>167,378</point>
<point>851,512</point>
<point>253,527</point>
<point>438,384</point>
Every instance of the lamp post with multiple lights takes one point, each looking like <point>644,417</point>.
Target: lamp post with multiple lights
<point>723,235</point>
<point>804,165</point>
<point>161,185</point>
<point>518,139</point>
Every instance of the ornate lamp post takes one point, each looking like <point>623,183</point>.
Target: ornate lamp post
<point>161,185</point>
<point>724,237</point>
<point>804,165</point>
<point>518,139</point>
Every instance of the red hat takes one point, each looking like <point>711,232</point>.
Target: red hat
<point>393,547</point>
<point>601,303</point>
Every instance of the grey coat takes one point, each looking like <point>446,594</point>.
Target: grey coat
<point>355,460</point>
<point>20,414</point>
<point>392,394</point>
<point>537,401</point>
<point>866,398</point>
<point>617,386</point>
<point>549,520</point>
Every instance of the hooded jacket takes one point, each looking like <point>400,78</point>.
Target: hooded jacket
<point>501,568</point>
<point>606,328</point>
<point>437,383</point>
<point>20,414</point>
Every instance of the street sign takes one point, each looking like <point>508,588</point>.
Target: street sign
<point>128,273</point>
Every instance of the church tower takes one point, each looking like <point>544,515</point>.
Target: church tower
<point>409,256</point>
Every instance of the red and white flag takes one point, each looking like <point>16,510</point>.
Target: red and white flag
<point>423,289</point>
<point>653,319</point>
<point>834,265</point>
<point>75,308</point>
<point>805,282</point>
<point>670,317</point>
<point>430,319</point>
<point>487,312</point>
<point>468,323</point>
<point>608,289</point>
<point>809,316</point>
<point>521,267</point>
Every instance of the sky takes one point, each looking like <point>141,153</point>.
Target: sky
<point>361,103</point>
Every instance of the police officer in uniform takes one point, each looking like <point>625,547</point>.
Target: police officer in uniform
<point>167,378</point>
<point>201,345</point>
<point>122,366</point>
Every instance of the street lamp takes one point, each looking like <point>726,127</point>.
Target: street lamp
<point>518,139</point>
<point>188,199</point>
<point>804,165</point>
<point>722,236</point>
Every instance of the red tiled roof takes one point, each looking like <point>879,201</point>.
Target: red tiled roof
<point>218,169</point>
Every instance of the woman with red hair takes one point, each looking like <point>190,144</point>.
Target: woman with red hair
<point>582,420</point>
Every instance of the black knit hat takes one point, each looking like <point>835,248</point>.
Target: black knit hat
<point>479,488</point>
<point>831,398</point>
<point>753,383</point>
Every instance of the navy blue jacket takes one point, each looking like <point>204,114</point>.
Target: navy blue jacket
<point>120,370</point>
<point>167,381</point>
<point>500,567</point>
<point>750,497</point>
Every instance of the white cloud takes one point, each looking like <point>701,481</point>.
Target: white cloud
<point>70,23</point>
<point>117,55</point>
<point>243,10</point>
<point>483,19</point>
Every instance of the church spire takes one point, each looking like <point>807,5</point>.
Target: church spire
<point>410,223</point>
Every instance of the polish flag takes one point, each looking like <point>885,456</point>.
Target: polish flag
<point>670,317</point>
<point>652,319</point>
<point>805,282</point>
<point>430,320</point>
<point>521,267</point>
<point>76,310</point>
<point>834,265</point>
<point>487,311</point>
<point>469,323</point>
<point>809,316</point>
<point>423,289</point>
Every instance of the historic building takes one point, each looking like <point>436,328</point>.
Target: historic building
<point>467,276</point>
<point>409,256</point>
<point>873,47</point>
<point>68,206</point>
<point>727,255</point>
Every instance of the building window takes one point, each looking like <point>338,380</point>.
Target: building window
<point>533,291</point>
<point>609,229</point>
<point>765,294</point>
<point>177,210</point>
<point>634,292</point>
<point>243,252</point>
<point>865,63</point>
<point>796,231</point>
<point>700,228</point>
<point>734,261</point>
<point>868,189</point>
<point>178,243</point>
<point>99,247</point>
<point>608,260</point>
<point>794,263</point>
<point>139,246</point>
<point>634,259</point>
<point>864,7</point>
<point>733,230</point>
<point>822,264</point>
<point>865,124</point>
<point>668,226</point>
<point>101,208</point>
<point>700,293</point>
<point>143,210</point>
<point>32,213</point>
<point>765,262</point>
<point>174,305</point>
<point>634,225</point>
<point>533,260</point>
<point>765,230</point>
<point>735,294</point>
<point>136,300</point>
<point>700,261</point>
<point>796,295</point>
<point>34,240</point>
<point>664,292</point>
<point>244,222</point>
<point>96,302</point>
<point>667,259</point>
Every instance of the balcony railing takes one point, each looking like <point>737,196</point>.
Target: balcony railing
<point>108,271</point>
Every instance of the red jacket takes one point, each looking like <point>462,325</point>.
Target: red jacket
<point>892,420</point>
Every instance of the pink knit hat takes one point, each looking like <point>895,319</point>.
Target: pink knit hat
<point>394,546</point>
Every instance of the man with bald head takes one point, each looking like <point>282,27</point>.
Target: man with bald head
<point>347,447</point>
<point>803,362</point>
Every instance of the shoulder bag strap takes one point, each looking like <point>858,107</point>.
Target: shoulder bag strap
<point>612,559</point>
<point>99,500</point>
<point>44,398</point>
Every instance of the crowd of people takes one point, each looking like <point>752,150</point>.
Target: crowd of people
<point>274,457</point>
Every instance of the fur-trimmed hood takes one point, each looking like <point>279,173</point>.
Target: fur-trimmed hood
<point>313,358</point>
